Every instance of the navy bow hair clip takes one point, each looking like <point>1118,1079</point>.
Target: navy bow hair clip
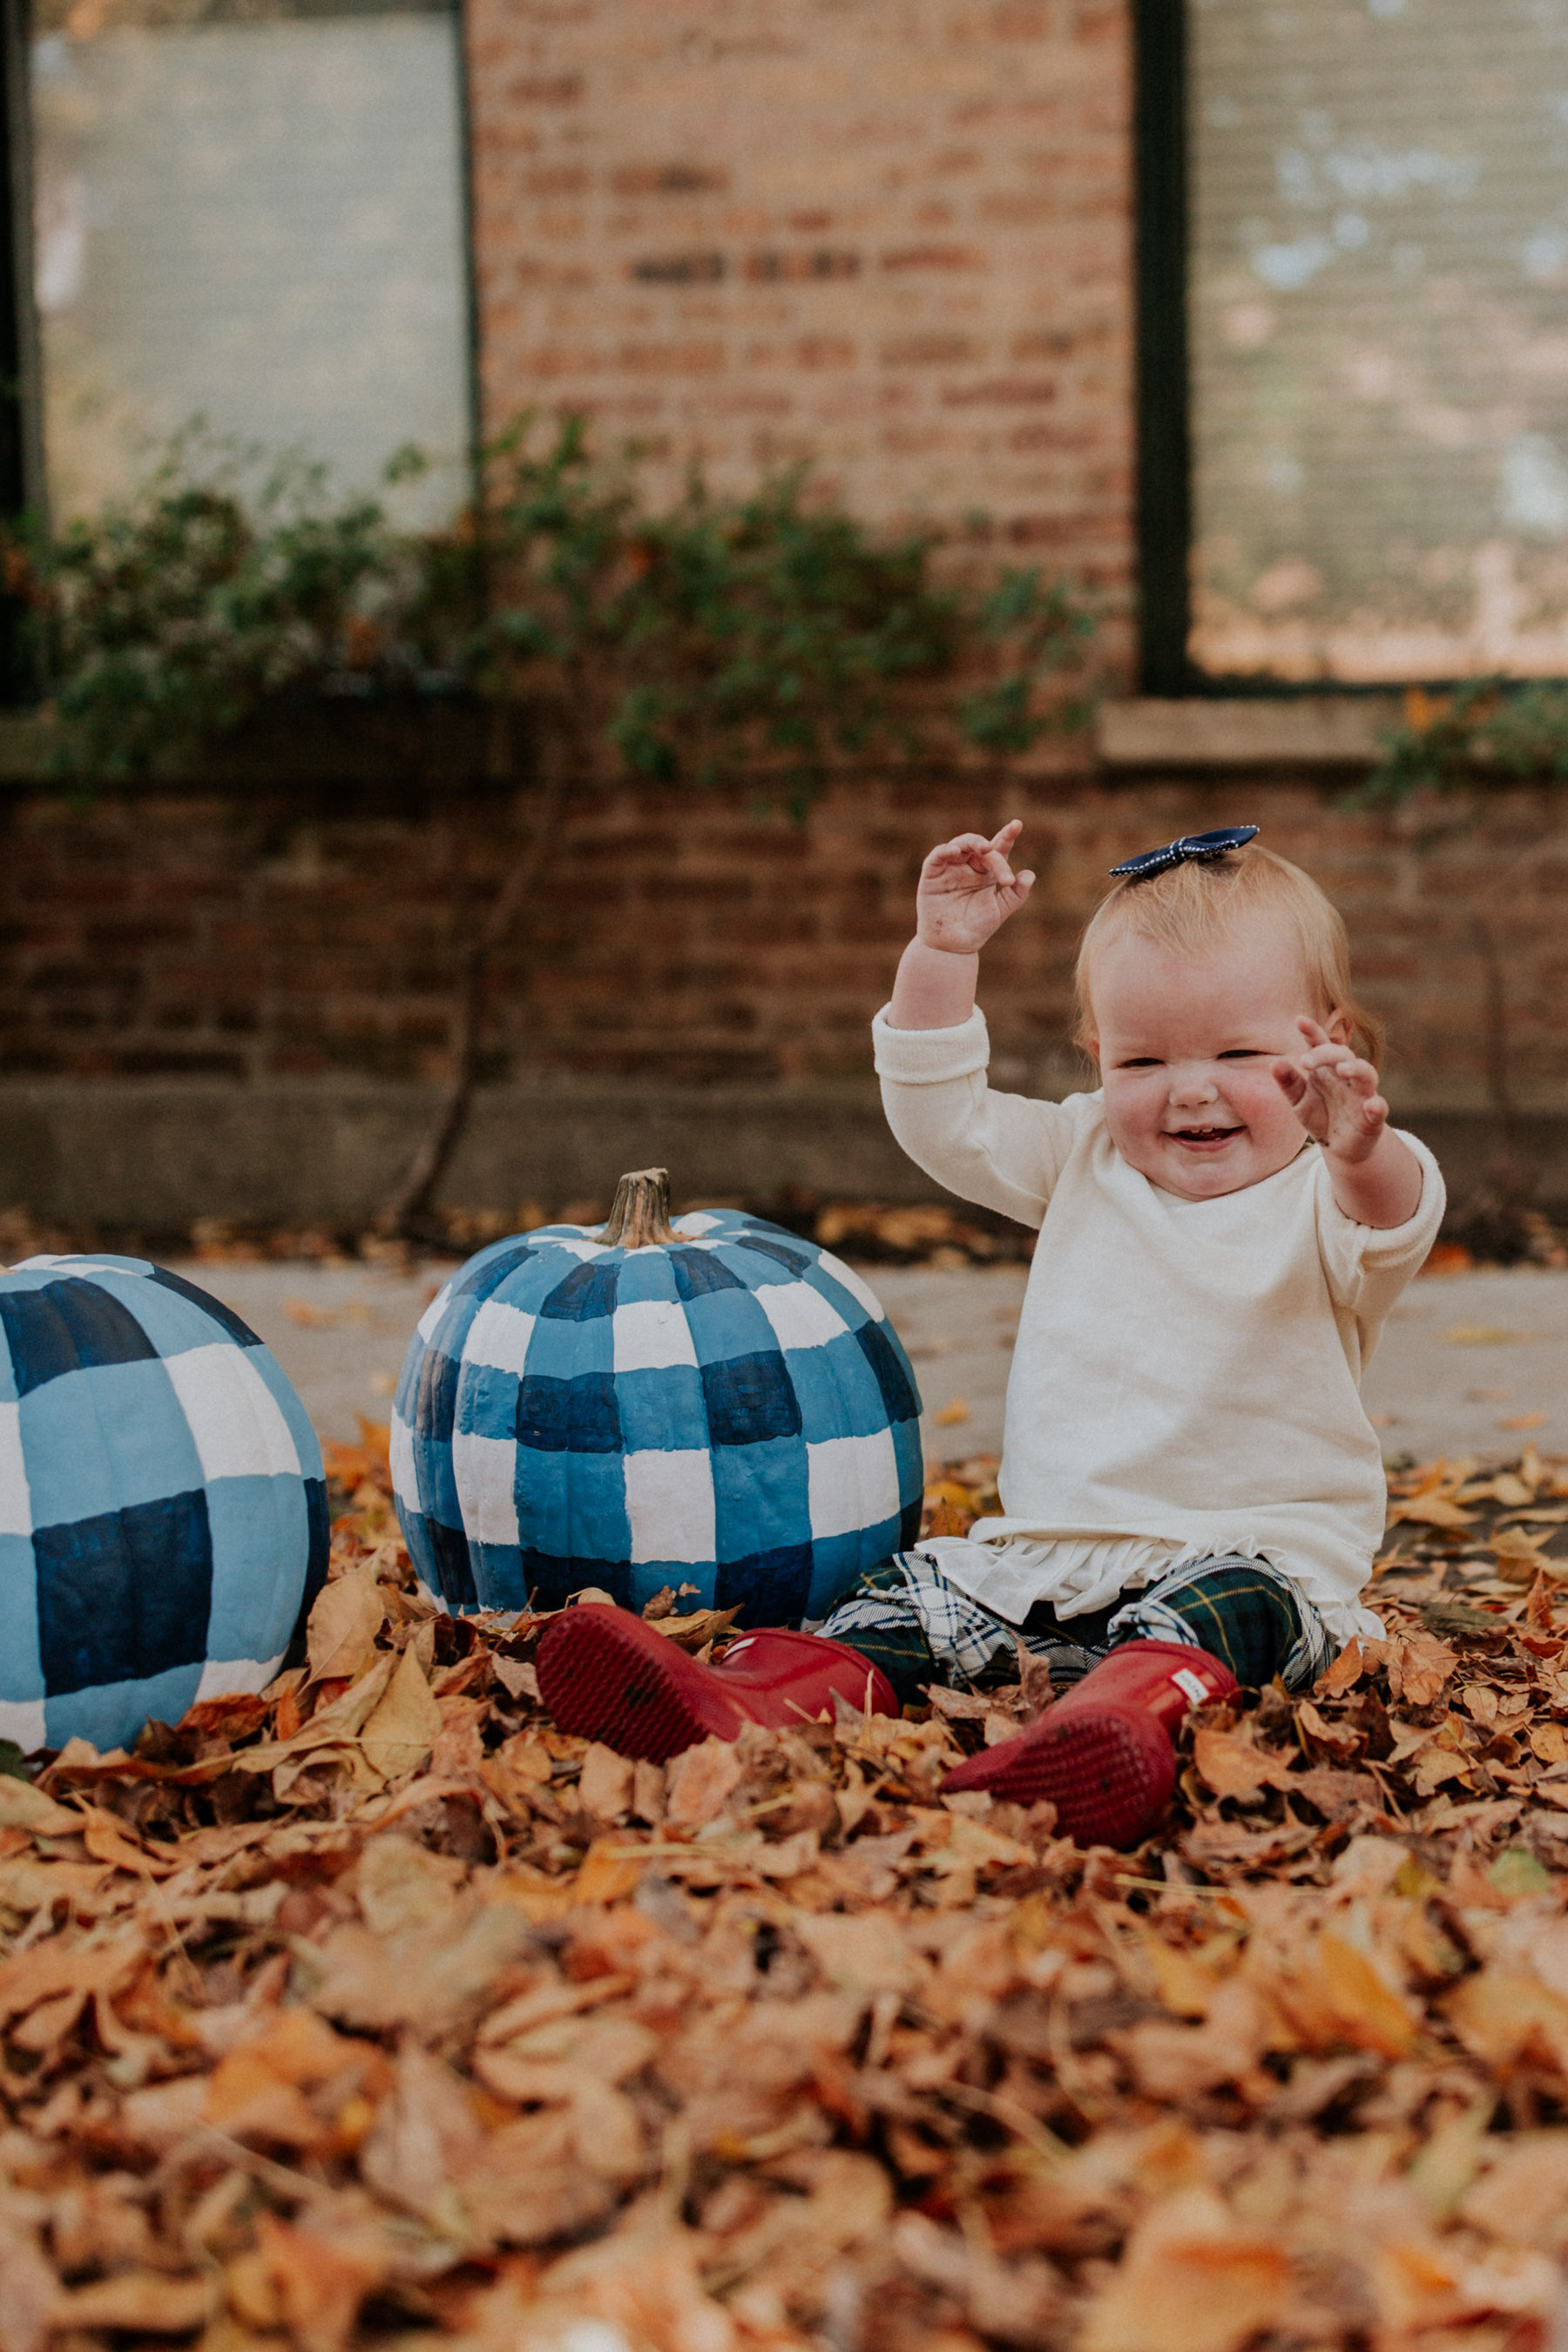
<point>1194,845</point>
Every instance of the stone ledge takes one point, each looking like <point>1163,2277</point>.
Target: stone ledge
<point>1315,730</point>
<point>154,1155</point>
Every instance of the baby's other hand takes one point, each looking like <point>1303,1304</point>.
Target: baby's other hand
<point>1334,1095</point>
<point>967,891</point>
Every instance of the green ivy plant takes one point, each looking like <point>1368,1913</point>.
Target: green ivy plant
<point>1485,727</point>
<point>771,634</point>
<point>766,637</point>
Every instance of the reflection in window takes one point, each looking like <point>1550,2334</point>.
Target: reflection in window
<point>252,213</point>
<point>1379,302</point>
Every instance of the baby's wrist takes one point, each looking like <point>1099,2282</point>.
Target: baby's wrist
<point>941,947</point>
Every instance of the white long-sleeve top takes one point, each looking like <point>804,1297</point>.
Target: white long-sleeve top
<point>1186,1380</point>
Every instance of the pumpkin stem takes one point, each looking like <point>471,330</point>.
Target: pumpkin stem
<point>640,1218</point>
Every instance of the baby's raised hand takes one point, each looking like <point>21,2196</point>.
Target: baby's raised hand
<point>1334,1095</point>
<point>967,891</point>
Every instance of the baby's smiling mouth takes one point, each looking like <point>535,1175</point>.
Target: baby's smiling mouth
<point>1205,1135</point>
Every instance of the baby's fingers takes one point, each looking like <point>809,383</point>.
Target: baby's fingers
<point>1290,1081</point>
<point>968,850</point>
<point>1337,1065</point>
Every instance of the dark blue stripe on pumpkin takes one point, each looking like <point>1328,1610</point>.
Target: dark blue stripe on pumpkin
<point>897,1390</point>
<point>797,1260</point>
<point>320,1537</point>
<point>578,1416</point>
<point>64,1327</point>
<point>238,1330</point>
<point>768,1587</point>
<point>449,1551</point>
<point>589,1292</point>
<point>125,1595</point>
<point>436,1400</point>
<point>697,1271</point>
<point>482,1273</point>
<point>749,1398</point>
<point>550,1581</point>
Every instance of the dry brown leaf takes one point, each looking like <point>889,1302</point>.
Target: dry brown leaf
<point>700,1783</point>
<point>319,2285</point>
<point>866,1954</point>
<point>606,1783</point>
<point>1233,1765</point>
<point>1430,1511</point>
<point>405,1723</point>
<point>147,2301</point>
<point>426,2138</point>
<point>344,1622</point>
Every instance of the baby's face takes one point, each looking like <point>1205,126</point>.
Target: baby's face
<point>1187,1046</point>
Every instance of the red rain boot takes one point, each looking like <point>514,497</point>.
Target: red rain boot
<point>604,1674</point>
<point>1105,1753</point>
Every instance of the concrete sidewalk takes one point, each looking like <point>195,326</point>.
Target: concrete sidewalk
<point>1474,1363</point>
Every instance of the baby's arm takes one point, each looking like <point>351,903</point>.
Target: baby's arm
<point>967,890</point>
<point>1376,1177</point>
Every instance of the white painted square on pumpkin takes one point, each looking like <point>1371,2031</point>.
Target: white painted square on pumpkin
<point>430,1321</point>
<point>22,1719</point>
<point>852,1482</point>
<point>651,1333</point>
<point>234,1417</point>
<point>15,1503</point>
<point>499,1336</point>
<point>400,1459</point>
<point>483,1469</point>
<point>669,1504</point>
<point>800,1316</point>
<point>850,1281</point>
<point>222,1676</point>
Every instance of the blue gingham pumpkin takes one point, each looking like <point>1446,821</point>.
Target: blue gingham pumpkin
<point>163,1507</point>
<point>728,1408</point>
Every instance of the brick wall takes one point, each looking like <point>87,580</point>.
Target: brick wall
<point>679,938</point>
<point>892,239</point>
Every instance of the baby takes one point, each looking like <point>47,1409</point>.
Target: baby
<point>1190,1491</point>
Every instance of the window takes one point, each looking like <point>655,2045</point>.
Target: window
<point>250,210</point>
<point>1373,390</point>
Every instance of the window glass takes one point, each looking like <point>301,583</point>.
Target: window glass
<point>1379,315</point>
<point>252,213</point>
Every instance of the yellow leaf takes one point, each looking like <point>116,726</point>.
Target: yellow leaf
<point>1431,1511</point>
<point>1189,2282</point>
<point>955,1411</point>
<point>607,1872</point>
<point>407,1724</point>
<point>1372,2017</point>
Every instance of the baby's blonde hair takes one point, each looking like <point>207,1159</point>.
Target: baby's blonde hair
<point>1188,907</point>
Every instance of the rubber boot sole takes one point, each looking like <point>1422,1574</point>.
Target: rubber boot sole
<point>604,1674</point>
<point>1110,1772</point>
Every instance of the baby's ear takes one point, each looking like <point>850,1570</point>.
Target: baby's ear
<point>1338,1025</point>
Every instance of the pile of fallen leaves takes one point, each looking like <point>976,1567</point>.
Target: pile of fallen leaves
<point>371,2010</point>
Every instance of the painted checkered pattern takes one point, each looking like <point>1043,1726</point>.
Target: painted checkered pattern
<point>731,1411</point>
<point>162,1507</point>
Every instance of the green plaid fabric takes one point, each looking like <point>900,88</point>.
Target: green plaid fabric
<point>906,1619</point>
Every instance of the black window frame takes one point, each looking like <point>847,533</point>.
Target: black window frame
<point>1162,375</point>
